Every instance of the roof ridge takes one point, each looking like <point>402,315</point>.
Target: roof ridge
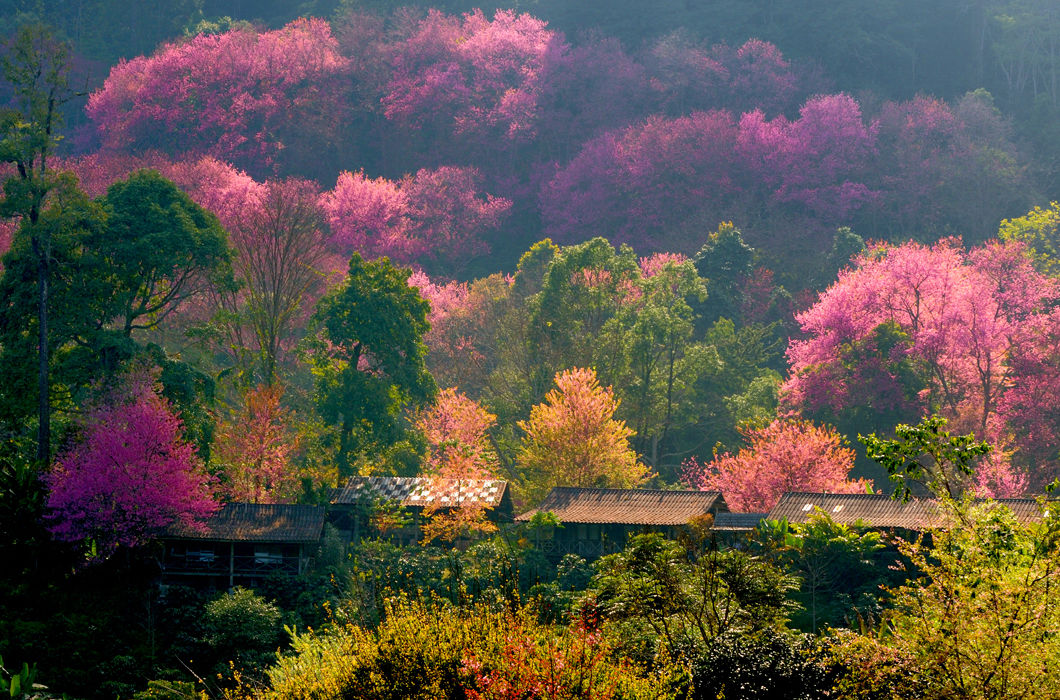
<point>616,490</point>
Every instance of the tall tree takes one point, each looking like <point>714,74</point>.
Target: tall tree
<point>36,65</point>
<point>370,358</point>
<point>282,264</point>
<point>573,439</point>
<point>938,329</point>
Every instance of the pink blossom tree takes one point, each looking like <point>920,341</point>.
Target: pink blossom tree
<point>816,161</point>
<point>661,183</point>
<point>786,455</point>
<point>437,217</point>
<point>129,474</point>
<point>934,329</point>
<point>456,428</point>
<point>458,452</point>
<point>1027,407</point>
<point>583,91</point>
<point>226,191</point>
<point>759,77</point>
<point>236,95</point>
<point>686,75</point>
<point>639,184</point>
<point>463,340</point>
<point>945,168</point>
<point>470,76</point>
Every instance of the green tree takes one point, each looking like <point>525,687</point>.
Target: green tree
<point>726,262</point>
<point>926,455</point>
<point>574,318</point>
<point>35,64</point>
<point>243,628</point>
<point>686,597</point>
<point>662,369</point>
<point>841,569</point>
<point>979,621</point>
<point>118,266</point>
<point>159,249</point>
<point>369,357</point>
<point>1037,229</point>
<point>74,300</point>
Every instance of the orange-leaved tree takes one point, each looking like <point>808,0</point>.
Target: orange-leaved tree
<point>254,450</point>
<point>459,459</point>
<point>573,439</point>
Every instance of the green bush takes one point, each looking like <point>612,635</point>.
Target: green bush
<point>243,631</point>
<point>768,666</point>
<point>421,652</point>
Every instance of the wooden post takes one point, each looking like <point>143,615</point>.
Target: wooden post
<point>231,565</point>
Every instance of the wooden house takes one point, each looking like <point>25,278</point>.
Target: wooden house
<point>395,506</point>
<point>600,521</point>
<point>241,544</point>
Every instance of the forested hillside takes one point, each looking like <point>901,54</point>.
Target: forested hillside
<point>254,249</point>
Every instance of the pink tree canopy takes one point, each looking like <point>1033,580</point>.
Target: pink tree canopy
<point>659,183</point>
<point>786,455</point>
<point>232,95</point>
<point>435,216</point>
<point>968,331</point>
<point>130,474</point>
<point>470,75</point>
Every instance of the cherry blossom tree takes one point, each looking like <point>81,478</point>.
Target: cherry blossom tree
<point>573,439</point>
<point>759,77</point>
<point>641,183</point>
<point>283,265</point>
<point>467,332</point>
<point>436,216</point>
<point>660,183</point>
<point>236,95</point>
<point>816,161</point>
<point>129,474</point>
<point>915,329</point>
<point>470,75</point>
<point>456,431</point>
<point>786,455</point>
<point>944,168</point>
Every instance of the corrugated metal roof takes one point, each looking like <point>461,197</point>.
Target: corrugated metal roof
<point>880,510</point>
<point>738,522</point>
<point>259,522</point>
<point>627,506</point>
<point>1026,510</point>
<point>420,491</point>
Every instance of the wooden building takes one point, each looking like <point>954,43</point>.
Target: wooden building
<point>600,521</point>
<point>394,505</point>
<point>242,544</point>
